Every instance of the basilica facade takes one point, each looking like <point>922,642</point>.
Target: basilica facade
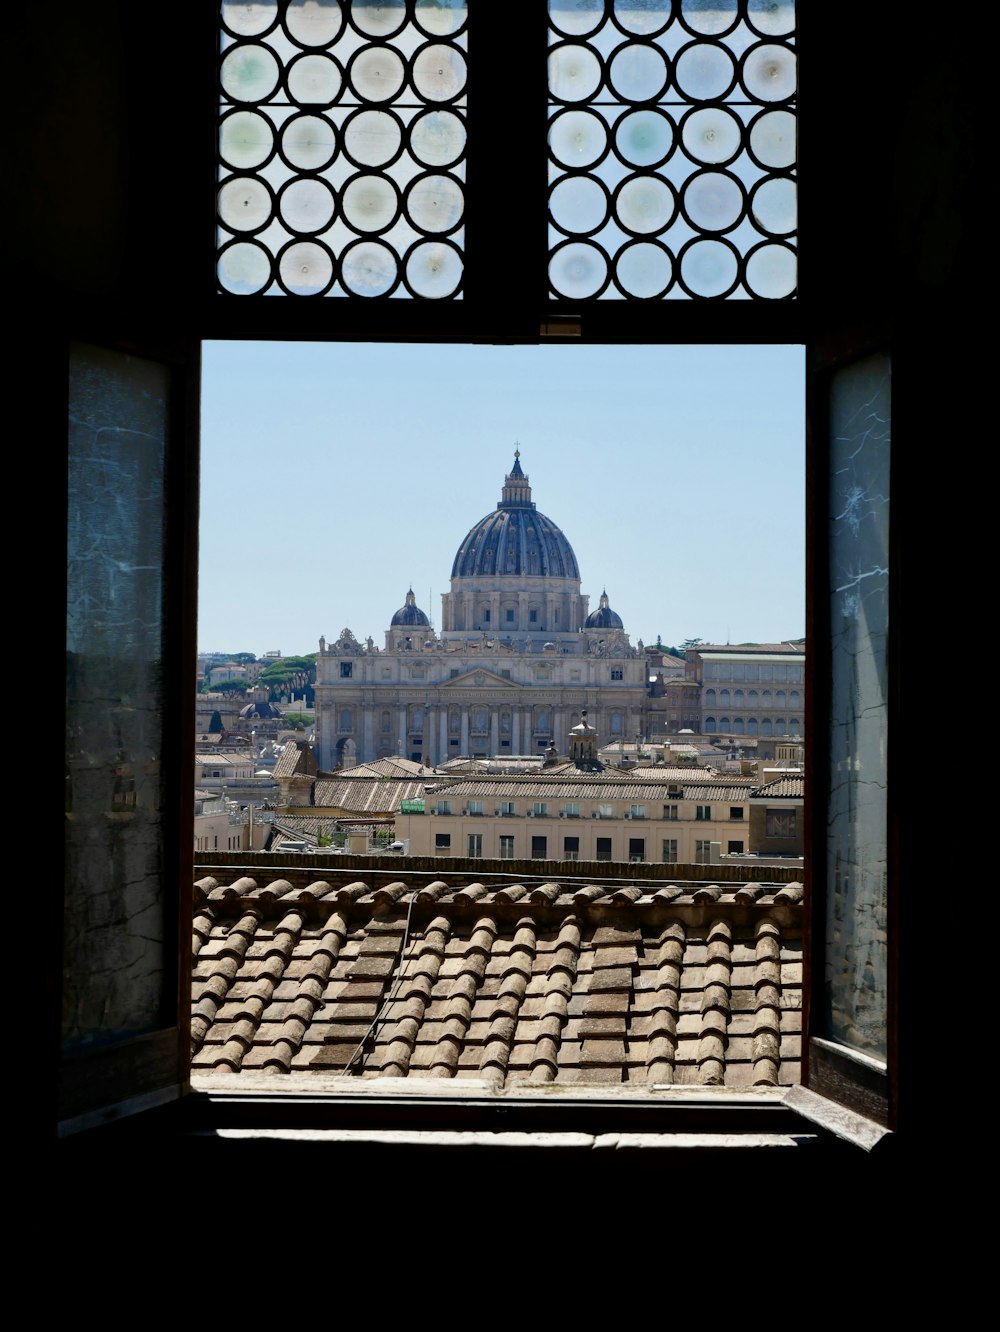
<point>517,660</point>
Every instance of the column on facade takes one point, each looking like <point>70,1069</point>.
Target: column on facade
<point>559,737</point>
<point>515,729</point>
<point>443,733</point>
<point>465,729</point>
<point>367,734</point>
<point>494,730</point>
<point>401,708</point>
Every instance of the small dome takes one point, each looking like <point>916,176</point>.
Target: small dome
<point>604,617</point>
<point>262,711</point>
<point>410,614</point>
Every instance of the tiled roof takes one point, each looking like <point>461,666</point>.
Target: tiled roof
<point>607,786</point>
<point>632,982</point>
<point>367,795</point>
<point>385,767</point>
<point>791,787</point>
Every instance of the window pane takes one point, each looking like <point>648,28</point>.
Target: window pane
<point>671,150</point>
<point>856,978</point>
<point>342,149</point>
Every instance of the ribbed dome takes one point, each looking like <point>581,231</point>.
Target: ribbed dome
<point>410,614</point>
<point>515,539</point>
<point>604,617</point>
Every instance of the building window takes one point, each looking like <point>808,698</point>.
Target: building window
<point>442,843</point>
<point>572,810</point>
<point>346,720</point>
<point>637,848</point>
<point>346,669</point>
<point>475,844</point>
<point>571,848</point>
<point>474,807</point>
<point>616,673</point>
<point>604,848</point>
<point>780,823</point>
<point>616,723</point>
<point>540,809</point>
<point>506,848</point>
<point>539,848</point>
<point>444,806</point>
<point>605,811</point>
<point>637,811</point>
<point>670,850</point>
<point>736,811</point>
<point>703,813</point>
<point>670,812</point>
<point>509,616</point>
<point>507,808</point>
<point>703,853</point>
<point>734,848</point>
<point>486,617</point>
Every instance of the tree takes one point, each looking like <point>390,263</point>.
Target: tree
<point>215,726</point>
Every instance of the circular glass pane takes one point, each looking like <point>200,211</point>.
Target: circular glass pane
<point>244,268</point>
<point>638,72</point>
<point>313,22</point>
<point>769,73</point>
<point>249,73</point>
<point>376,74</point>
<point>771,271</point>
<point>369,203</point>
<point>772,139</point>
<point>249,20</point>
<point>246,139</point>
<point>772,18</point>
<point>644,204</point>
<point>372,138</point>
<point>244,204</point>
<point>709,268</point>
<point>711,135</point>
<point>314,79</point>
<point>435,203</point>
<point>576,18</point>
<point>368,268</point>
<point>578,269</point>
<point>439,72</point>
<point>306,205</point>
<point>644,269</point>
<point>577,138</point>
<point>378,18</point>
<point>709,17</point>
<point>574,73</point>
<point>441,18</point>
<point>643,17</point>
<point>308,142</point>
<point>773,206</point>
<point>433,269</point>
<point>578,204</point>
<point>306,268</point>
<point>704,72</point>
<point>644,138</point>
<point>713,201</point>
<point>437,138</point>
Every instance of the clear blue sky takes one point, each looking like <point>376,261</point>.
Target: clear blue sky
<point>334,476</point>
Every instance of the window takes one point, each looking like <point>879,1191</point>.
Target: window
<point>533,617</point>
<point>637,848</point>
<point>703,813</point>
<point>475,846</point>
<point>736,811</point>
<point>780,823</point>
<point>703,853</point>
<point>540,809</point>
<point>506,847</point>
<point>670,812</point>
<point>346,669</point>
<point>616,673</point>
<point>486,616</point>
<point>670,850</point>
<point>571,810</point>
<point>444,806</point>
<point>734,848</point>
<point>474,807</point>
<point>571,848</point>
<point>638,811</point>
<point>507,808</point>
<point>442,843</point>
<point>603,847</point>
<point>509,616</point>
<point>605,811</point>
<point>539,848</point>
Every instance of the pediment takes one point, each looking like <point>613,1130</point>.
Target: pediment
<point>479,677</point>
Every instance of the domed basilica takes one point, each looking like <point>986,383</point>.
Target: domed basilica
<point>516,662</point>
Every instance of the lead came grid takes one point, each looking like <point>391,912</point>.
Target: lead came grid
<point>342,148</point>
<point>671,149</point>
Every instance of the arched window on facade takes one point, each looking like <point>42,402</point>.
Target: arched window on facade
<point>765,726</point>
<point>346,719</point>
<point>752,726</point>
<point>710,725</point>
<point>616,723</point>
<point>710,698</point>
<point>738,727</point>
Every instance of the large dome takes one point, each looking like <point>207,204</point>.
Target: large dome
<point>515,539</point>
